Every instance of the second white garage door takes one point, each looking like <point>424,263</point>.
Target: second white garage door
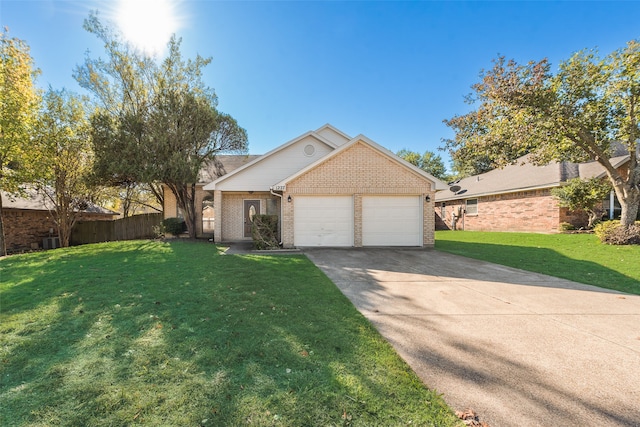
<point>391,221</point>
<point>323,221</point>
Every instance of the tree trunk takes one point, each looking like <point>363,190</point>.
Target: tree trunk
<point>190,211</point>
<point>185,197</point>
<point>630,203</point>
<point>157,191</point>
<point>3,245</point>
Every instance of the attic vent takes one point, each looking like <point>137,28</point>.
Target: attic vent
<point>309,150</point>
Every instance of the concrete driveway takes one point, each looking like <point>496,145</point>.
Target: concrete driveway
<point>519,348</point>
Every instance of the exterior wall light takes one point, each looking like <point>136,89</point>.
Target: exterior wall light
<point>428,198</point>
<point>289,199</point>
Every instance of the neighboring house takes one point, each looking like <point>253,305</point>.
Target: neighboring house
<point>29,225</point>
<point>518,198</point>
<point>328,189</point>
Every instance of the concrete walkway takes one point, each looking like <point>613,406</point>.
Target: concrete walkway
<point>520,349</point>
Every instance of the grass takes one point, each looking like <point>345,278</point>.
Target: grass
<point>152,333</point>
<point>578,257</point>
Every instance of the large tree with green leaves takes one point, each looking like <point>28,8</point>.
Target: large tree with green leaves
<point>429,162</point>
<point>19,100</point>
<point>62,137</point>
<point>574,114</point>
<point>157,121</point>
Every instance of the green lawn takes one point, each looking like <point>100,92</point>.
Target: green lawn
<point>175,334</point>
<point>578,257</point>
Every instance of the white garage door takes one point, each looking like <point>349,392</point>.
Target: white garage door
<point>323,221</point>
<point>391,221</point>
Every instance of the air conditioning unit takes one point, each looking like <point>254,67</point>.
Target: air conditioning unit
<point>50,242</point>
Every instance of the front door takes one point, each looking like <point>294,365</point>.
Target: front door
<point>251,209</point>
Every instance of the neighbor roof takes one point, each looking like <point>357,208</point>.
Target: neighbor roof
<point>523,175</point>
<point>33,201</point>
<point>222,165</point>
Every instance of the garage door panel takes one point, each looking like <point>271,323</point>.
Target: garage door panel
<point>323,221</point>
<point>391,221</point>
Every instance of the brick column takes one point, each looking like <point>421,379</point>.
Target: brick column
<point>287,220</point>
<point>428,220</point>
<point>357,220</point>
<point>217,208</point>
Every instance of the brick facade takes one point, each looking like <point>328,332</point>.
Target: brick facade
<point>25,229</point>
<point>359,170</point>
<point>170,208</point>
<point>229,211</point>
<point>527,211</point>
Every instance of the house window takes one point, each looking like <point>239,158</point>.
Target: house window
<point>472,207</point>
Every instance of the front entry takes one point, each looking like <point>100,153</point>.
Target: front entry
<point>251,209</point>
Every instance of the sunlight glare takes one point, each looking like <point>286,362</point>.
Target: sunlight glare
<point>148,24</point>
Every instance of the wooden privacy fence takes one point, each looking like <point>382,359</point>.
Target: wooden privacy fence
<point>133,227</point>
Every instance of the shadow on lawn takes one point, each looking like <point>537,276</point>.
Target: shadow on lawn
<point>551,262</point>
<point>147,334</point>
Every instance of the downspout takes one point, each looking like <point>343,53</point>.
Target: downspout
<point>279,219</point>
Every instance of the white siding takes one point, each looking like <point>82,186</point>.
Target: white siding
<point>391,221</point>
<point>276,167</point>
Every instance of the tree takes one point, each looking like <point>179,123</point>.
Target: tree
<point>62,137</point>
<point>585,195</point>
<point>19,99</point>
<point>157,120</point>
<point>429,162</point>
<point>573,115</point>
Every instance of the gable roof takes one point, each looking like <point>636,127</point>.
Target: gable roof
<point>335,135</point>
<point>222,165</point>
<point>438,185</point>
<point>314,134</point>
<point>33,201</point>
<point>522,175</point>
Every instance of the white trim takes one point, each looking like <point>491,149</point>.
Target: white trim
<point>333,128</point>
<point>361,138</point>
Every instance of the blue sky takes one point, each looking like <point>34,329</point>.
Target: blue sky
<point>390,70</point>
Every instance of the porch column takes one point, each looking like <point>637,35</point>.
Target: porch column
<point>217,216</point>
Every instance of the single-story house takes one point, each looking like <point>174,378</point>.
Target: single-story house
<point>328,189</point>
<point>29,224</point>
<point>518,198</point>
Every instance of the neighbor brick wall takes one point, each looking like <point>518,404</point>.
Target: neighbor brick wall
<point>528,211</point>
<point>357,171</point>
<point>25,229</point>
